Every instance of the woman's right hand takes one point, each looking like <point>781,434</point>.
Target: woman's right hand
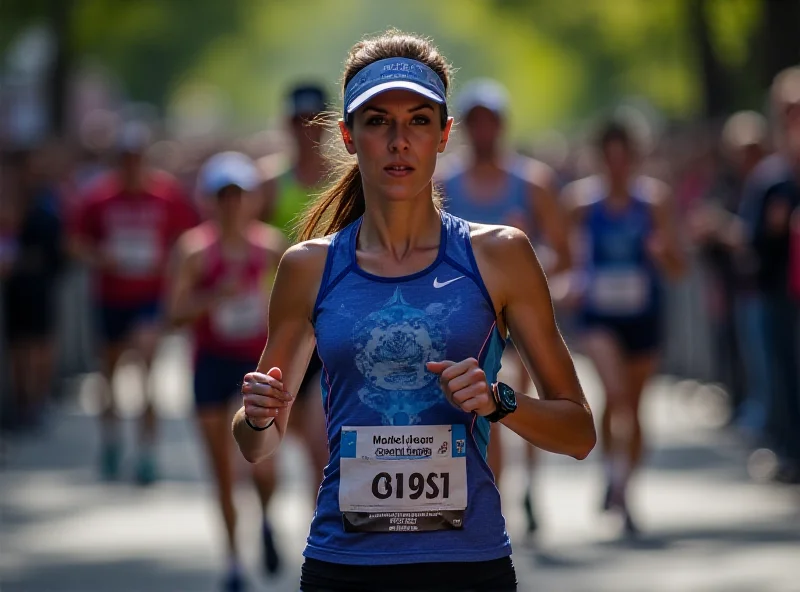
<point>264,396</point>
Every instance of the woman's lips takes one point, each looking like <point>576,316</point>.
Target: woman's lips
<point>398,170</point>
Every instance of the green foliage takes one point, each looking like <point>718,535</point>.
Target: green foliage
<point>17,14</point>
<point>149,43</point>
<point>562,60</point>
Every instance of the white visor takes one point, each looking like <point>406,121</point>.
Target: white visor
<point>396,84</point>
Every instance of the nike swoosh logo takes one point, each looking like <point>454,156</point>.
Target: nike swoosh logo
<point>437,284</point>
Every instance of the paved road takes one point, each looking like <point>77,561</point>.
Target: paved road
<point>709,526</point>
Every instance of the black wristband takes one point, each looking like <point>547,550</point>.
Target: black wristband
<point>256,428</point>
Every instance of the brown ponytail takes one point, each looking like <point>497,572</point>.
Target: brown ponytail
<point>343,202</point>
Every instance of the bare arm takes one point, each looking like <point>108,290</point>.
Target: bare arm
<point>553,223</point>
<point>562,420</point>
<point>566,289</point>
<point>269,392</point>
<point>665,245</point>
<point>549,215</point>
<point>184,302</point>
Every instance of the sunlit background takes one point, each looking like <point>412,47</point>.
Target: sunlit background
<point>209,74</point>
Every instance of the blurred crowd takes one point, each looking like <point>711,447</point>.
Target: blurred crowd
<point>736,196</point>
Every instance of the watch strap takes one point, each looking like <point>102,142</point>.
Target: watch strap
<point>499,413</point>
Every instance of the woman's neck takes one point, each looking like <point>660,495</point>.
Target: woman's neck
<point>232,236</point>
<point>618,188</point>
<point>486,165</point>
<point>400,228</point>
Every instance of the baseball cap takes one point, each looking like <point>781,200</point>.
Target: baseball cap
<point>483,92</point>
<point>228,168</point>
<point>306,99</point>
<point>392,74</point>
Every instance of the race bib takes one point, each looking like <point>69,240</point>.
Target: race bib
<point>403,478</point>
<point>619,291</point>
<point>136,250</point>
<point>240,317</point>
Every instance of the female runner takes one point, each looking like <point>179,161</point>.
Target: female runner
<point>625,220</point>
<point>409,308</point>
<point>220,288</point>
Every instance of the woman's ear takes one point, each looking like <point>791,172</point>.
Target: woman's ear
<point>446,134</point>
<point>347,137</point>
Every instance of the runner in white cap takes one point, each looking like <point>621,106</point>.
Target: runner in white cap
<point>220,288</point>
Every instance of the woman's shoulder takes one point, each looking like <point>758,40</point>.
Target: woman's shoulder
<point>267,238</point>
<point>581,194</point>
<point>307,257</point>
<point>653,192</point>
<point>497,242</point>
<point>197,241</point>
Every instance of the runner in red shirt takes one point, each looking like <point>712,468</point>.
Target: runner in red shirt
<point>124,229</point>
<point>223,275</point>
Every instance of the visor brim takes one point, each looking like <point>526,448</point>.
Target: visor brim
<point>393,85</point>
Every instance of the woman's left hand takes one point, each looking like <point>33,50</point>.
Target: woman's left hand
<point>464,385</point>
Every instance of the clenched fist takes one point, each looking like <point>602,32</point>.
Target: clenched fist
<point>264,397</point>
<point>464,385</point>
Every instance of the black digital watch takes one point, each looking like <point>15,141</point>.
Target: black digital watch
<point>505,399</point>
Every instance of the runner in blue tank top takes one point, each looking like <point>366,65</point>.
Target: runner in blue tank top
<point>629,240</point>
<point>409,308</point>
<point>492,185</point>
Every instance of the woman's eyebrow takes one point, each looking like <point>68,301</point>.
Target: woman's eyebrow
<point>411,110</point>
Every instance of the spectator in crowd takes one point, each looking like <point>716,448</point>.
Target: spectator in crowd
<point>30,262</point>
<point>717,230</point>
<point>771,195</point>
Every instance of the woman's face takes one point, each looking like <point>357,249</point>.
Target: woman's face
<point>234,206</point>
<point>396,137</point>
<point>484,128</point>
<point>618,158</point>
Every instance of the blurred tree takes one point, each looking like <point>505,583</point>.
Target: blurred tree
<point>742,45</point>
<point>714,75</point>
<point>62,64</point>
<point>149,43</point>
<point>624,48</point>
<point>782,32</point>
<point>561,60</point>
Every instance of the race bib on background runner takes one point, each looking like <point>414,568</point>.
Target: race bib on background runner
<point>403,478</point>
<point>136,250</point>
<point>240,317</point>
<point>619,291</point>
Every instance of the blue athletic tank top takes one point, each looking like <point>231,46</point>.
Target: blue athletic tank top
<point>398,449</point>
<point>511,205</point>
<point>621,280</point>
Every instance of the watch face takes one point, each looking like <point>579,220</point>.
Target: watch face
<point>508,398</point>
